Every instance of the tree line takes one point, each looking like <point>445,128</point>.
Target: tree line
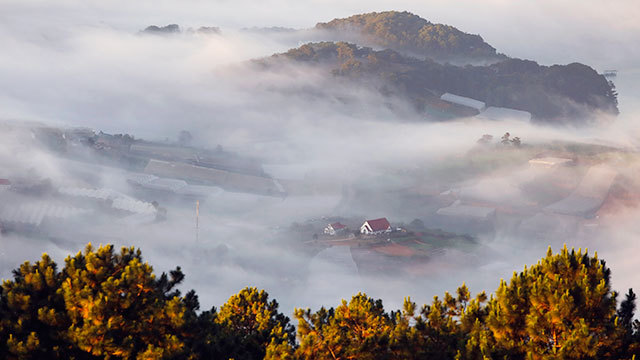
<point>410,34</point>
<point>105,304</point>
<point>559,93</point>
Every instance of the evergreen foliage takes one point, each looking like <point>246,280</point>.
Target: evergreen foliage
<point>572,92</point>
<point>413,35</point>
<point>109,305</point>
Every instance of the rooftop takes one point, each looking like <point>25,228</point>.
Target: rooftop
<point>469,211</point>
<point>379,224</point>
<point>338,226</point>
<point>550,161</point>
<point>464,101</point>
<point>500,113</point>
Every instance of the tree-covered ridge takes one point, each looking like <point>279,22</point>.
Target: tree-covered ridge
<point>573,92</point>
<point>413,35</point>
<point>109,305</point>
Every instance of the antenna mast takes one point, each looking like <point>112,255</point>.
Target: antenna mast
<point>197,218</point>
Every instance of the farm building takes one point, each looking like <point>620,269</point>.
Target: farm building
<point>32,215</point>
<point>187,172</point>
<point>587,198</point>
<point>549,226</point>
<point>164,151</point>
<point>230,181</point>
<point>549,162</point>
<point>116,200</point>
<point>335,228</point>
<point>468,211</point>
<point>500,113</point>
<point>4,185</point>
<point>376,226</point>
<point>464,101</point>
<point>463,219</point>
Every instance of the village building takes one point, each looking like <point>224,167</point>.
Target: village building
<point>546,226</point>
<point>227,180</point>
<point>376,226</point>
<point>78,135</point>
<point>590,194</point>
<point>31,216</point>
<point>464,101</point>
<point>4,185</point>
<point>549,162</point>
<point>335,228</point>
<point>464,218</point>
<point>501,113</point>
<point>468,211</point>
<point>115,200</point>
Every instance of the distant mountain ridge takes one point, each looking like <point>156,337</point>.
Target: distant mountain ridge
<point>412,35</point>
<point>174,29</point>
<point>551,93</point>
<point>403,54</point>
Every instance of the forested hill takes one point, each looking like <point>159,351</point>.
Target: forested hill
<point>412,35</point>
<point>557,93</point>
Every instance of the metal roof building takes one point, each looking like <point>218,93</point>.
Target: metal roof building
<point>501,113</point>
<point>549,162</point>
<point>35,213</point>
<point>119,201</point>
<point>464,101</point>
<point>587,198</point>
<point>467,211</point>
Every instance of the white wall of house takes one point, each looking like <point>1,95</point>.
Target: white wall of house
<point>329,230</point>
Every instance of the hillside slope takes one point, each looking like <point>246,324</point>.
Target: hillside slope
<point>559,93</point>
<point>412,35</point>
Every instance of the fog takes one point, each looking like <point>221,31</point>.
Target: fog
<point>85,64</point>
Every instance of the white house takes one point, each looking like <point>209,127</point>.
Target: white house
<point>464,101</point>
<point>376,226</point>
<point>335,228</point>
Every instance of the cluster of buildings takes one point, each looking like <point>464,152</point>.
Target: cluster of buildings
<point>175,168</point>
<point>555,200</point>
<point>39,207</point>
<point>485,112</point>
<point>369,227</point>
<point>185,170</point>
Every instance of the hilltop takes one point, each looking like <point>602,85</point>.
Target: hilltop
<point>558,93</point>
<point>412,35</point>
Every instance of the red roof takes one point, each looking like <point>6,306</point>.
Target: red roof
<point>5,182</point>
<point>379,224</point>
<point>338,226</point>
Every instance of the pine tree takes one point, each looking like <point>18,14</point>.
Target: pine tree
<point>117,307</point>
<point>561,308</point>
<point>627,329</point>
<point>252,323</point>
<point>33,319</point>
<point>358,329</point>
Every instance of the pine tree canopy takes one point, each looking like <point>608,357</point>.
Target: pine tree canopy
<point>105,304</point>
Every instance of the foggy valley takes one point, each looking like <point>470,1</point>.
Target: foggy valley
<point>253,148</point>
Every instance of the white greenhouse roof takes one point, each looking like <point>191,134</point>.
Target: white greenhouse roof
<point>469,211</point>
<point>550,161</point>
<point>133,205</point>
<point>589,195</point>
<point>464,101</point>
<point>35,213</point>
<point>500,113</point>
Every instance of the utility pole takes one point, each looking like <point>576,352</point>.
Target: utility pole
<point>197,218</point>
